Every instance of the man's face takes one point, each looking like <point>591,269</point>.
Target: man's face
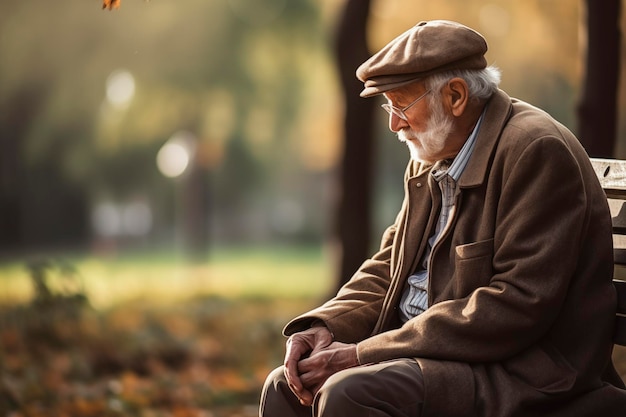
<point>429,144</point>
<point>427,127</point>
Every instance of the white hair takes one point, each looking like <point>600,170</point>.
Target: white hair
<point>482,83</point>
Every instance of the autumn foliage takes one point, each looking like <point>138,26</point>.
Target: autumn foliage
<point>205,357</point>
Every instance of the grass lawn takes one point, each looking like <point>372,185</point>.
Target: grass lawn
<point>267,272</point>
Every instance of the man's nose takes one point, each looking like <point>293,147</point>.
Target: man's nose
<point>396,123</point>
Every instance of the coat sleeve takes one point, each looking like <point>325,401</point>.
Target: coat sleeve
<point>352,314</point>
<point>541,217</point>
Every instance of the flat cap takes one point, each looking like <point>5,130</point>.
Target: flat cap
<point>426,48</point>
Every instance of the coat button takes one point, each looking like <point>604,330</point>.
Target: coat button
<point>418,185</point>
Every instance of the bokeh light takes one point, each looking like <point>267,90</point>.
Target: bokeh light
<point>175,156</point>
<point>120,88</point>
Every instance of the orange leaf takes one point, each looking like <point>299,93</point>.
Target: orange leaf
<point>111,4</point>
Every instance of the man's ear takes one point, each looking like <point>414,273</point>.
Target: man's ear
<point>457,96</point>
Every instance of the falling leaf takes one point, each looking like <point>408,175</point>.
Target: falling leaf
<point>111,4</point>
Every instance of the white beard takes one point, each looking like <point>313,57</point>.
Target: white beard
<point>427,146</point>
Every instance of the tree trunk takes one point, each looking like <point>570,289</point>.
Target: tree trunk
<point>597,110</point>
<point>16,116</point>
<point>353,216</point>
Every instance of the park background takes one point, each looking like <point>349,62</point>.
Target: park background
<point>168,184</point>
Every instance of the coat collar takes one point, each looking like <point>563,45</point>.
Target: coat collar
<point>499,108</point>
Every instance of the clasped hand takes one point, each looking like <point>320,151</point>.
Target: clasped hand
<point>312,357</point>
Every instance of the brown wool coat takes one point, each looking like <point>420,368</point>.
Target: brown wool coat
<point>521,301</point>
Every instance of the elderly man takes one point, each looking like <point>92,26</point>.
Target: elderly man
<point>491,293</point>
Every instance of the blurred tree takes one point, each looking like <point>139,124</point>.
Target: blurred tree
<point>17,113</point>
<point>254,81</point>
<point>355,205</point>
<point>34,195</point>
<point>597,109</point>
<point>235,72</point>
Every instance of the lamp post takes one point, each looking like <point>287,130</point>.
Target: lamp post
<point>177,160</point>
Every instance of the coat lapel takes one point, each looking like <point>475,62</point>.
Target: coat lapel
<point>498,112</point>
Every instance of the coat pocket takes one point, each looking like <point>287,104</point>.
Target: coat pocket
<point>473,264</point>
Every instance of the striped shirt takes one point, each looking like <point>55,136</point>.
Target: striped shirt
<point>415,297</point>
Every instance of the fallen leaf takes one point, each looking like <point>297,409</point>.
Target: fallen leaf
<point>111,4</point>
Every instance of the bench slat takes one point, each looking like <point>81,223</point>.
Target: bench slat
<point>620,324</point>
<point>612,176</point>
<point>620,287</point>
<point>619,256</point>
<point>620,331</point>
<point>619,217</point>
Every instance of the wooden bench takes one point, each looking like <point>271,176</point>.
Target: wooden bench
<point>612,176</point>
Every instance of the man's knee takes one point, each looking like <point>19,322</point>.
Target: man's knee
<point>273,390</point>
<point>275,379</point>
<point>275,386</point>
<point>278,400</point>
<point>342,385</point>
<point>393,388</point>
<point>336,395</point>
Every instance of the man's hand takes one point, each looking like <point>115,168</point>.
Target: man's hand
<point>299,346</point>
<point>317,368</point>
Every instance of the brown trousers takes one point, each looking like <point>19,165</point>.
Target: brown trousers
<point>389,389</point>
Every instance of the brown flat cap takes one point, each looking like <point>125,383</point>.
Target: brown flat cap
<point>426,48</point>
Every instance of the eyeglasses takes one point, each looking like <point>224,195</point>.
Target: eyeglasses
<point>400,112</point>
